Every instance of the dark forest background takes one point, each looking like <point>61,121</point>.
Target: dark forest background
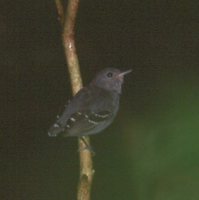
<point>151,150</point>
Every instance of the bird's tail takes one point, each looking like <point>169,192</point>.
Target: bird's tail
<point>55,130</point>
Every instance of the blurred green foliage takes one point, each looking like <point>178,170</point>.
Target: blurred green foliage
<point>163,146</point>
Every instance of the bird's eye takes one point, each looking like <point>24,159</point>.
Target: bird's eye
<point>110,74</point>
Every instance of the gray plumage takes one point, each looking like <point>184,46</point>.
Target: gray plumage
<point>93,108</point>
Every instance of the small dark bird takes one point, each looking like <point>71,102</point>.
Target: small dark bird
<point>93,108</point>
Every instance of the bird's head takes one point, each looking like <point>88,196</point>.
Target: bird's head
<point>110,79</point>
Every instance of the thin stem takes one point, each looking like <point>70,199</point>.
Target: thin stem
<point>68,22</point>
<point>60,11</point>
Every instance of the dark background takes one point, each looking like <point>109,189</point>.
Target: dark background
<point>151,150</point>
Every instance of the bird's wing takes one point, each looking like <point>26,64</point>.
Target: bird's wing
<point>86,114</point>
<point>73,106</point>
<point>86,122</point>
<point>91,115</point>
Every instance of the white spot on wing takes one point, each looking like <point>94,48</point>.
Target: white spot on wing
<point>72,119</point>
<point>68,126</point>
<point>56,125</point>
<point>92,122</point>
<point>86,116</point>
<point>100,116</point>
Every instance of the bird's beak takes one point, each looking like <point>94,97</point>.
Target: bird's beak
<point>125,72</point>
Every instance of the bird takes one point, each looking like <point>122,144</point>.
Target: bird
<point>93,108</point>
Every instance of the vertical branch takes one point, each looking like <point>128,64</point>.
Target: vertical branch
<point>69,45</point>
<point>67,20</point>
